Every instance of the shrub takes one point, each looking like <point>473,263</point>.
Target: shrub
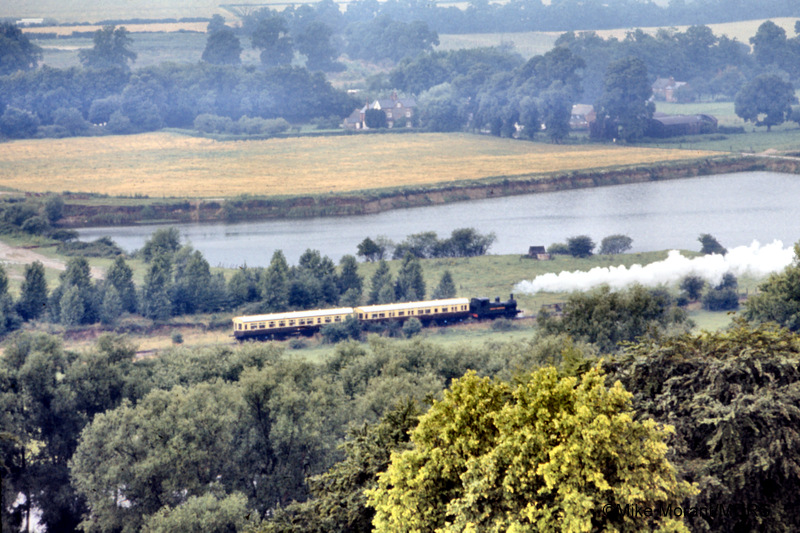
<point>177,337</point>
<point>412,327</point>
<point>503,324</point>
<point>711,245</point>
<point>692,286</point>
<point>209,123</point>
<point>615,244</point>
<point>297,344</point>
<point>558,248</point>
<point>580,246</point>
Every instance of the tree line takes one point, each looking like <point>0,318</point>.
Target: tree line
<point>104,96</point>
<point>491,90</point>
<point>178,281</point>
<point>494,91</point>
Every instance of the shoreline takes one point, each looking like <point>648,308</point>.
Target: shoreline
<point>253,208</point>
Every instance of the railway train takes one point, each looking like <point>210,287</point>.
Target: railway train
<point>282,325</point>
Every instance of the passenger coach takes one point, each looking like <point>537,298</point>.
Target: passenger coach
<point>279,325</point>
<point>283,324</point>
<point>452,308</point>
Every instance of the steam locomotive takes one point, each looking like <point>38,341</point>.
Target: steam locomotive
<point>281,325</point>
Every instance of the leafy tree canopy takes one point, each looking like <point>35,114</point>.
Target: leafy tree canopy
<point>733,397</point>
<point>606,318</point>
<point>626,98</point>
<point>615,244</point>
<point>223,48</point>
<point>111,49</point>
<point>16,50</point>
<point>546,454</point>
<point>710,245</point>
<point>778,298</point>
<point>765,101</point>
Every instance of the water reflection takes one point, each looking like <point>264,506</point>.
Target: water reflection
<point>736,208</point>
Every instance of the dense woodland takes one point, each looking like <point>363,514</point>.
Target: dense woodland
<point>410,436</point>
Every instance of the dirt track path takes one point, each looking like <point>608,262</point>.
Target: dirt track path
<point>24,256</point>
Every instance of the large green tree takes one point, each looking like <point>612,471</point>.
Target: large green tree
<point>338,499</point>
<point>120,276</point>
<point>275,283</point>
<point>271,36</point>
<point>33,293</point>
<point>170,446</point>
<point>111,49</point>
<point>154,300</point>
<point>548,454</point>
<point>410,284</point>
<point>16,50</point>
<point>223,48</point>
<point>625,101</point>
<point>765,101</point>
<point>733,398</point>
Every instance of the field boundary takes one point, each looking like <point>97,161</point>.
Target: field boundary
<point>150,211</point>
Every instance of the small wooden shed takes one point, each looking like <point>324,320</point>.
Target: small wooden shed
<point>539,253</point>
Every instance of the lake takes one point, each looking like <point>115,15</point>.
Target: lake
<point>735,208</point>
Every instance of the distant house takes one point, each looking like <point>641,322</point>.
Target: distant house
<point>663,125</point>
<point>29,22</point>
<point>539,253</point>
<point>582,116</point>
<point>356,119</point>
<point>397,110</point>
<point>664,89</point>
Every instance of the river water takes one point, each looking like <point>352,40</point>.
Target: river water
<point>735,208</point>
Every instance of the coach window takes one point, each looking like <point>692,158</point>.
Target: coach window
<point>400,313</point>
<point>281,323</point>
<point>272,324</point>
<point>427,311</point>
<point>337,319</point>
<point>360,316</point>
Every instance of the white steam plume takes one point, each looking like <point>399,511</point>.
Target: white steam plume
<point>754,260</point>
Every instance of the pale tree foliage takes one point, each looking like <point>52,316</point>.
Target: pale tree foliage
<point>548,454</point>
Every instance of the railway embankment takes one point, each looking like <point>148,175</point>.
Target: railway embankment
<point>87,210</point>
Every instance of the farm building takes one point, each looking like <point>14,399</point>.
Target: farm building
<point>539,253</point>
<point>663,125</point>
<point>664,89</point>
<point>582,116</point>
<point>397,110</point>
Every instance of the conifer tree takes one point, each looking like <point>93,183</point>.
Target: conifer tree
<point>410,285</point>
<point>446,287</point>
<point>380,279</point>
<point>33,293</point>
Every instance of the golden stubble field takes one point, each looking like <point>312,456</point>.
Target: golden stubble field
<point>173,165</point>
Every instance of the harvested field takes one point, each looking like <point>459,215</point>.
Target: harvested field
<point>172,165</point>
<point>166,27</point>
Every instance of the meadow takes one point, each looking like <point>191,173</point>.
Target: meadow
<point>165,164</point>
